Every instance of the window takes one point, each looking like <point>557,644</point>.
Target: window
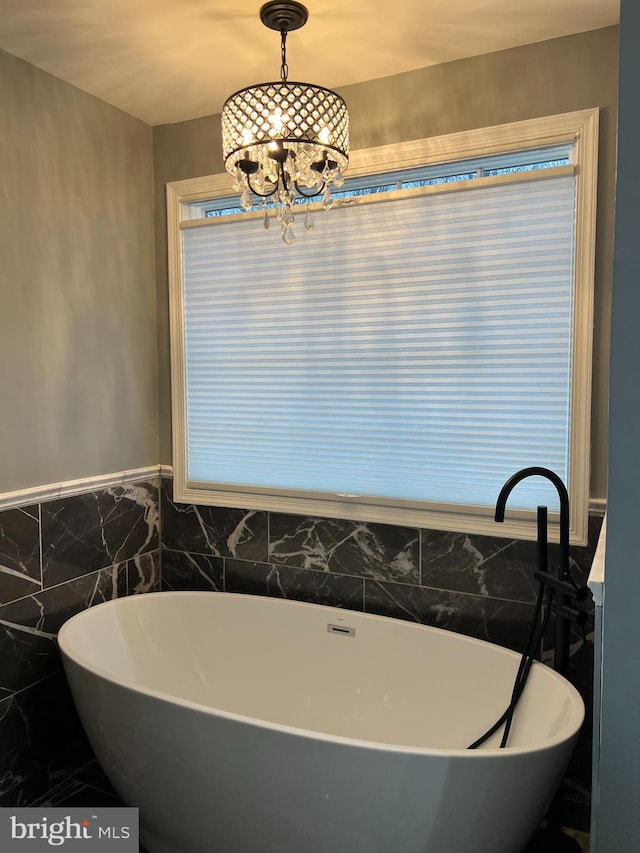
<point>431,337</point>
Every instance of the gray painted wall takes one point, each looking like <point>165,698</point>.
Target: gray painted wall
<point>618,812</point>
<point>561,75</point>
<point>78,375</point>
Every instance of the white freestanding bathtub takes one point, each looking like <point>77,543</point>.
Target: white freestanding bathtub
<point>241,724</point>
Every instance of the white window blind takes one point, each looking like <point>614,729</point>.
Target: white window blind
<point>416,349</point>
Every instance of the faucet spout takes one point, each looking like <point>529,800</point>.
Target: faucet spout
<point>562,584</point>
<point>563,495</point>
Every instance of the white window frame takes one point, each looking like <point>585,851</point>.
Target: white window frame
<point>186,200</point>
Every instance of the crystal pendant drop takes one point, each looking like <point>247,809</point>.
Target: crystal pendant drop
<point>265,219</point>
<point>308,220</point>
<point>240,181</point>
<point>287,235</point>
<point>327,199</point>
<point>287,215</point>
<point>246,202</point>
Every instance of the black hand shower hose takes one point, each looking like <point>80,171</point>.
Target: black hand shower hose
<point>536,632</point>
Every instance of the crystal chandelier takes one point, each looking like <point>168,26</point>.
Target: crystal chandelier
<point>284,141</point>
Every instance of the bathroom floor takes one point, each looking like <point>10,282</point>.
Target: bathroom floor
<point>581,837</point>
<point>86,787</point>
<point>90,787</point>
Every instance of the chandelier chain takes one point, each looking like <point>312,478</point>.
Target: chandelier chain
<point>284,68</point>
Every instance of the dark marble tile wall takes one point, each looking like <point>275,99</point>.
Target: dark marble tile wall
<point>482,586</point>
<point>479,585</point>
<point>56,559</point>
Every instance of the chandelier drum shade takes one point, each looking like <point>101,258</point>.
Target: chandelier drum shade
<point>283,140</point>
<point>307,120</point>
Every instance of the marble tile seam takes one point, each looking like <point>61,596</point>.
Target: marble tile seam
<point>455,592</point>
<point>274,564</point>
<point>14,694</point>
<point>40,545</point>
<point>332,573</point>
<point>47,589</point>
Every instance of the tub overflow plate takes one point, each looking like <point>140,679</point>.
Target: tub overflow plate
<point>341,629</point>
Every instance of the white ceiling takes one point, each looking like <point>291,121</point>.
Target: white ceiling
<point>169,60</point>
